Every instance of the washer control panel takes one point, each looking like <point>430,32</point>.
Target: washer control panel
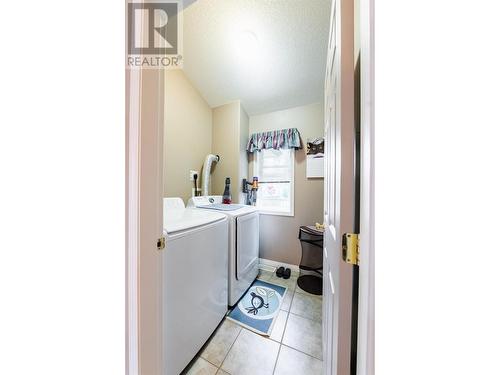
<point>204,200</point>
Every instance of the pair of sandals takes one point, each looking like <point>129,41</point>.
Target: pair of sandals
<point>283,272</point>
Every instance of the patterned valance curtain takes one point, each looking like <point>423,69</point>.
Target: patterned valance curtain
<point>276,139</point>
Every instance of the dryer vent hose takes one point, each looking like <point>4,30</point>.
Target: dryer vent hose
<point>207,166</point>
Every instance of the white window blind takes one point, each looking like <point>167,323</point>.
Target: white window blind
<point>275,170</point>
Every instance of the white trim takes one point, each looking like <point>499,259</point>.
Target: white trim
<point>132,209</point>
<point>366,318</point>
<point>268,264</point>
<point>132,239</point>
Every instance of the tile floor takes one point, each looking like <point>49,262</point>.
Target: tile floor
<point>294,346</point>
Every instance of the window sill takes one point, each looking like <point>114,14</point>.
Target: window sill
<point>271,213</point>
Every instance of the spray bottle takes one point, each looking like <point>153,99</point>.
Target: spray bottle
<point>226,197</point>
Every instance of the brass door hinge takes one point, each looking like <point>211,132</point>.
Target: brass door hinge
<point>160,243</point>
<point>350,248</point>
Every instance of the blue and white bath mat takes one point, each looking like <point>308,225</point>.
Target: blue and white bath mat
<point>259,307</point>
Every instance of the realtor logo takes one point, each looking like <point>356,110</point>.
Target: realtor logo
<point>154,34</point>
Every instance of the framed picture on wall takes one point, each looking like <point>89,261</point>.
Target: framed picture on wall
<point>315,156</point>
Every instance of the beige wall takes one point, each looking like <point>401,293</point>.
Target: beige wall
<point>224,131</point>
<point>285,246</point>
<point>230,131</point>
<point>188,135</point>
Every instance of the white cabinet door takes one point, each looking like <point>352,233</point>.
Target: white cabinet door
<point>339,187</point>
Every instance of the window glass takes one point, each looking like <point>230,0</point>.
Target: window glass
<point>275,171</point>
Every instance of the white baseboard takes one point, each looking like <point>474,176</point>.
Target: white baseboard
<point>271,265</point>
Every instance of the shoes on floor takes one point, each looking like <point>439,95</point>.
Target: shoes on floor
<point>283,272</point>
<point>287,273</point>
<point>280,271</point>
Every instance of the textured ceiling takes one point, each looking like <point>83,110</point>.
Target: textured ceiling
<point>270,54</point>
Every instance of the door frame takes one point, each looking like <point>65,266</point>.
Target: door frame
<point>144,98</point>
<point>144,220</point>
<point>366,296</point>
<point>364,347</point>
<point>132,118</point>
<point>144,192</point>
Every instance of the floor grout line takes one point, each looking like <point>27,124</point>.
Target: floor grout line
<point>284,328</point>
<point>283,336</point>
<point>276,360</point>
<point>222,362</point>
<point>286,325</point>
<point>305,317</point>
<point>287,316</point>
<point>300,351</point>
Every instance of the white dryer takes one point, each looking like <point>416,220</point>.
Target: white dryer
<point>243,242</point>
<point>195,262</point>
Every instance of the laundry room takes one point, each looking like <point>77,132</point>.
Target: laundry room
<point>244,160</point>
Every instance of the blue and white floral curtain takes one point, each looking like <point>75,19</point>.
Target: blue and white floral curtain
<point>276,139</point>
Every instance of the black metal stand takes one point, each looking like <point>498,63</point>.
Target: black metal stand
<point>311,241</point>
<point>311,284</point>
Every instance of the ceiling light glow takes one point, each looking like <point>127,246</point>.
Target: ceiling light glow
<point>246,47</point>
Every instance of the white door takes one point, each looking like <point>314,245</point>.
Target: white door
<point>339,188</point>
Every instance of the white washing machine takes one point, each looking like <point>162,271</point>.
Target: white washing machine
<point>195,280</point>
<point>243,242</point>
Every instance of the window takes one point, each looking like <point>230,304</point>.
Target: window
<point>274,168</point>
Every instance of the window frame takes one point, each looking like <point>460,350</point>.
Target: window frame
<point>291,212</point>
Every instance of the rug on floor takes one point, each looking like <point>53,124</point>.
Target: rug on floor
<point>259,307</point>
